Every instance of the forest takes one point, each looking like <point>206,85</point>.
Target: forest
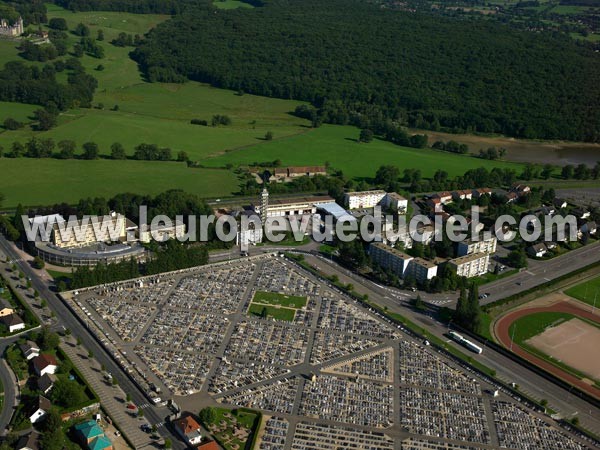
<point>357,64</point>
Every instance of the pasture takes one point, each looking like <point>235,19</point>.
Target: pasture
<point>338,145</point>
<point>35,182</point>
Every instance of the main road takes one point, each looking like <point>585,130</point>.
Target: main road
<point>154,414</point>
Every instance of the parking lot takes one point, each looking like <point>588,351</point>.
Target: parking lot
<point>337,375</point>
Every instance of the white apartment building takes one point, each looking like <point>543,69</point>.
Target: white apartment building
<point>86,235</point>
<point>468,247</point>
<point>390,258</point>
<point>364,199</point>
<point>472,265</point>
<point>396,202</point>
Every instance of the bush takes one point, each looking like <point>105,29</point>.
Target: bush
<point>199,122</point>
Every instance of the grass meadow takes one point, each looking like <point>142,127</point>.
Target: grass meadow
<point>587,292</point>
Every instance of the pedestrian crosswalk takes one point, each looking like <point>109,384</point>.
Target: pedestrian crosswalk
<point>143,406</point>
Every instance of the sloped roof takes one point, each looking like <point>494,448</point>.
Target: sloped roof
<point>89,430</point>
<point>42,361</point>
<point>100,443</point>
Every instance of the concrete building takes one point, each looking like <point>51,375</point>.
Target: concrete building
<point>396,202</point>
<point>14,30</point>
<point>471,265</point>
<point>162,233</point>
<point>390,258</point>
<point>469,246</point>
<point>364,199</point>
<point>294,206</point>
<point>92,436</point>
<point>421,270</point>
<point>91,255</point>
<point>114,224</point>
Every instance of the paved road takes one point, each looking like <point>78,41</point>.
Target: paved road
<point>154,415</point>
<point>9,383</point>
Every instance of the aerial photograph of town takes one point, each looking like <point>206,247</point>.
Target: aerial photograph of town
<point>300,224</point>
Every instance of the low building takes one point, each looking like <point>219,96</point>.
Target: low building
<point>208,445</point>
<point>471,265</point>
<point>40,409</point>
<point>92,436</point>
<point>511,197</point>
<point>520,189</point>
<point>87,233</point>
<point>46,383</point>
<point>336,211</point>
<point>29,349</point>
<point>13,322</point>
<point>581,213</point>
<point>465,194</point>
<point>421,270</point>
<point>29,441</point>
<point>560,203</point>
<point>299,171</point>
<point>91,255</point>
<point>469,246</point>
<point>537,250</point>
<point>396,202</point>
<point>363,199</point>
<point>45,363</point>
<point>589,227</point>
<point>296,206</point>
<point>189,430</point>
<point>389,258</point>
<point>443,197</point>
<point>480,192</point>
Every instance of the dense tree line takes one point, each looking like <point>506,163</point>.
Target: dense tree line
<point>32,11</point>
<point>31,84</point>
<point>438,73</point>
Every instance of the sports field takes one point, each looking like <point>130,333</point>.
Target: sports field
<point>571,342</point>
<point>587,292</point>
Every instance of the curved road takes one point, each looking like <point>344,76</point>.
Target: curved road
<point>10,387</point>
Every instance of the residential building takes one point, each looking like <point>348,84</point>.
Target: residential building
<point>189,430</point>
<point>364,199</point>
<point>92,436</point>
<point>581,213</point>
<point>84,232</point>
<point>560,203</point>
<point>29,349</point>
<point>511,197</point>
<point>470,265</point>
<point>44,363</point>
<point>520,189</point>
<point>421,270</point>
<point>208,445</point>
<point>589,227</point>
<point>537,250</point>
<point>13,322</point>
<point>46,383</point>
<point>390,258</point>
<point>281,173</point>
<point>162,233</point>
<point>479,192</point>
<point>39,409</point>
<point>443,197</point>
<point>470,246</point>
<point>396,202</point>
<point>466,194</point>
<point>29,441</point>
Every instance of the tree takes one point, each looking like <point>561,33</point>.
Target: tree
<point>182,156</point>
<point>52,421</point>
<point>66,149</point>
<point>100,35</point>
<point>48,340</point>
<point>419,303</point>
<point>38,263</point>
<point>67,393</point>
<point>208,416</point>
<point>547,171</point>
<point>45,119</point>
<point>117,151</point>
<point>90,150</point>
<point>387,175</point>
<point>269,136</point>
<point>474,309</point>
<point>82,30</point>
<point>568,171</point>
<point>58,23</point>
<point>12,124</point>
<point>517,258</point>
<point>366,135</point>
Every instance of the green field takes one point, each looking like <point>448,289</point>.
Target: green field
<point>273,298</point>
<point>277,313</point>
<point>529,326</point>
<point>587,292</point>
<point>337,145</point>
<point>17,111</point>
<point>235,419</point>
<point>46,182</point>
<point>231,4</point>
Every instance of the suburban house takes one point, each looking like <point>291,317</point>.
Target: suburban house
<point>560,203</point>
<point>43,364</point>
<point>5,308</point>
<point>40,409</point>
<point>480,192</point>
<point>537,250</point>
<point>551,245</point>
<point>30,441</point>
<point>465,194</point>
<point>443,197</point>
<point>46,383</point>
<point>92,436</point>
<point>189,430</point>
<point>520,189</point>
<point>581,213</point>
<point>13,322</point>
<point>30,350</point>
<point>589,227</point>
<point>511,197</point>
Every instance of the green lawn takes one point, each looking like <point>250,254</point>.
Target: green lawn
<point>231,4</point>
<point>337,145</point>
<point>46,182</point>
<point>529,326</point>
<point>273,298</point>
<point>277,313</point>
<point>240,417</point>
<point>588,292</point>
<point>17,111</point>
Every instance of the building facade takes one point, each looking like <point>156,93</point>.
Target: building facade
<point>364,199</point>
<point>472,265</point>
<point>9,30</point>
<point>468,247</point>
<point>88,234</point>
<point>390,258</point>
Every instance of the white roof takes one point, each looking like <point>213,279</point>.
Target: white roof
<point>52,218</point>
<point>337,211</point>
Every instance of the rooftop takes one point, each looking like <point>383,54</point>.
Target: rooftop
<point>391,250</point>
<point>468,258</point>
<point>337,211</point>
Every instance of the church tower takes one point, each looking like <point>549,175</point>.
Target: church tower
<point>20,27</point>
